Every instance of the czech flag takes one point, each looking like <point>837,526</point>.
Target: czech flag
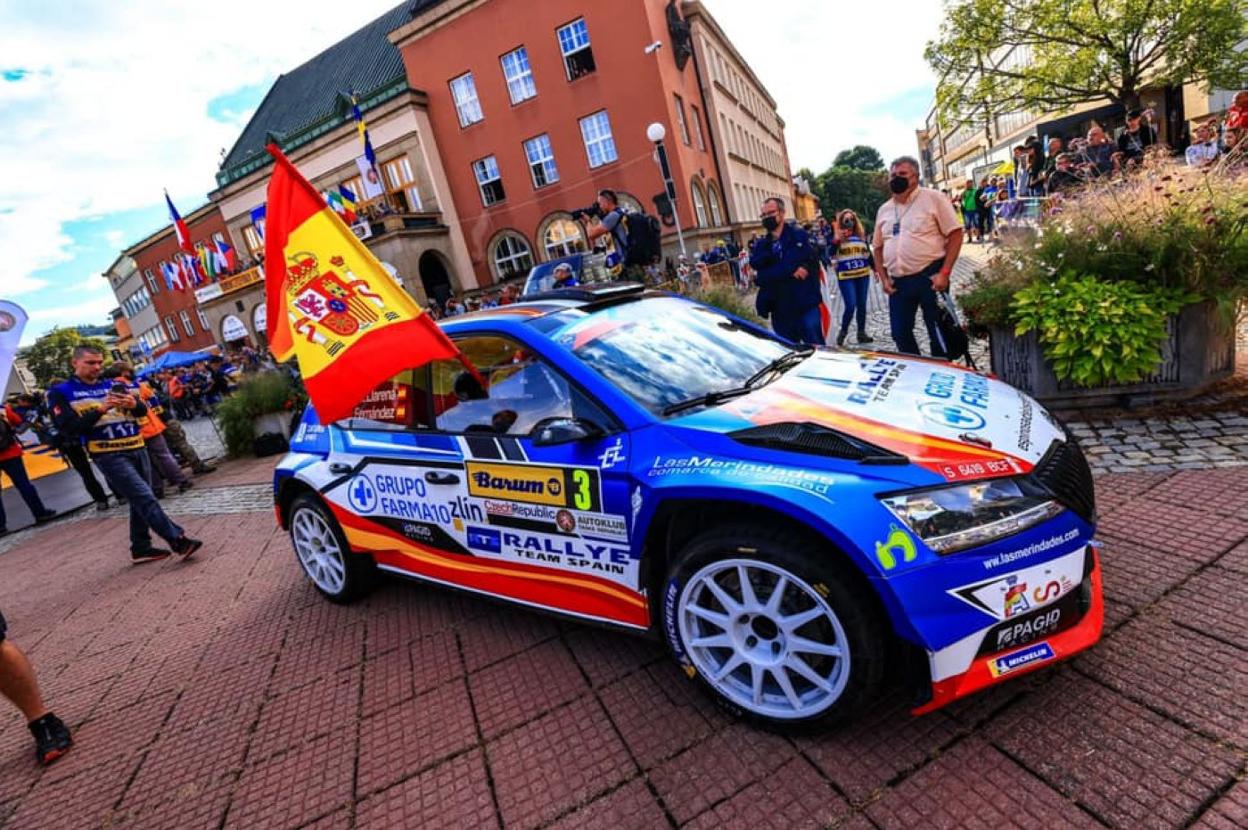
<point>225,255</point>
<point>179,227</point>
<point>332,305</point>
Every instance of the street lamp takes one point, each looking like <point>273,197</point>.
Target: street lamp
<point>656,133</point>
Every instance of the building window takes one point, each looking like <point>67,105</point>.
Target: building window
<point>712,197</point>
<point>519,75</point>
<point>464,91</point>
<point>680,119</point>
<point>151,280</point>
<point>599,145</point>
<point>697,127</point>
<point>203,321</point>
<point>255,245</point>
<point>511,256</point>
<point>185,316</point>
<point>173,329</point>
<point>699,204</point>
<point>541,161</point>
<point>489,180</point>
<point>578,58</point>
<point>400,185</point>
<point>562,238</point>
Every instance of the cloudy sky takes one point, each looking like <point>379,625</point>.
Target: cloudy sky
<point>107,103</point>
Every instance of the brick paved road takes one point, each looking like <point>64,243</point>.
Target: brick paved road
<point>224,692</point>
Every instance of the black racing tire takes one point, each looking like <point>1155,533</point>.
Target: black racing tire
<point>323,554</point>
<point>768,637</point>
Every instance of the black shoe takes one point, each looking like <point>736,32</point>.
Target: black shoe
<point>863,337</point>
<point>44,518</point>
<point>101,506</point>
<point>186,485</point>
<point>840,339</point>
<point>185,546</point>
<point>52,738</point>
<point>121,500</point>
<point>149,555</point>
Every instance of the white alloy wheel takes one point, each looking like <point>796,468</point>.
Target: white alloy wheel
<point>319,552</point>
<point>764,639</point>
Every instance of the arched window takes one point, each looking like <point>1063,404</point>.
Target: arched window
<point>699,203</point>
<point>712,196</point>
<point>561,236</point>
<point>511,255</point>
<point>628,202</point>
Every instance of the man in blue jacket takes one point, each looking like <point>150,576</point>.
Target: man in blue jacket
<point>786,268</point>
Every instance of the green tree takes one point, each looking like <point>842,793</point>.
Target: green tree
<point>49,356</point>
<point>859,157</point>
<point>844,188</point>
<point>996,56</point>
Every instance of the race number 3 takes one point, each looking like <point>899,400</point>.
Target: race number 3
<point>582,490</point>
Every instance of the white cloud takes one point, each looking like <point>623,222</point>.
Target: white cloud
<point>114,107</point>
<point>94,310</point>
<point>837,70</point>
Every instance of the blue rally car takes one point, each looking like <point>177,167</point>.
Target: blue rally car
<point>796,524</point>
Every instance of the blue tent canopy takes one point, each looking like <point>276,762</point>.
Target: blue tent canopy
<point>173,360</point>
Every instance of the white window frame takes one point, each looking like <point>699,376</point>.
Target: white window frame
<point>173,329</point>
<point>403,167</point>
<point>517,252</point>
<point>541,156</point>
<point>596,136</point>
<point>565,245</point>
<point>573,39</point>
<point>185,317</point>
<point>518,73</point>
<point>699,204</point>
<point>712,198</point>
<point>203,320</point>
<point>697,126</point>
<point>488,167</point>
<point>680,118</point>
<point>467,104</point>
<point>151,280</point>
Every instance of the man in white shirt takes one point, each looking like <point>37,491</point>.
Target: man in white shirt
<point>917,240</point>
<point>1204,150</point>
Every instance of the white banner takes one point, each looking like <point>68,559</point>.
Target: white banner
<point>371,176</point>
<point>12,323</point>
<point>232,328</point>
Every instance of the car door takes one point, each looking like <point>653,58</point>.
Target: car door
<point>545,481</point>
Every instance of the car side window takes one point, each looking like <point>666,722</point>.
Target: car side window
<point>398,403</point>
<point>520,390</point>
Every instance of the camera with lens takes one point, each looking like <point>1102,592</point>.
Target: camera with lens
<point>593,211</point>
<point>847,222</point>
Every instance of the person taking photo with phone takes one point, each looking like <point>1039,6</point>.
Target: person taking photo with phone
<point>853,265</point>
<point>106,415</point>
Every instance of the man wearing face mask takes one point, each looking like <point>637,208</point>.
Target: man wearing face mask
<point>786,266</point>
<point>917,240</point>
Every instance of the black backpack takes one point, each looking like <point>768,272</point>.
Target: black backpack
<point>950,330</point>
<point>643,239</point>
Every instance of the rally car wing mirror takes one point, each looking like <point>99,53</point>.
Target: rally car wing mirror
<point>554,431</point>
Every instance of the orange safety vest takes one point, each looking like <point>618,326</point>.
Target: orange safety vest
<point>150,424</point>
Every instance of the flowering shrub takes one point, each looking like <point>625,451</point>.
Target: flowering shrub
<point>261,394</point>
<point>1165,232</point>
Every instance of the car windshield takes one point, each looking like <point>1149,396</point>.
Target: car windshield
<point>664,350</point>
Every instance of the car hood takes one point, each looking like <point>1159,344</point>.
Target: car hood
<point>956,423</point>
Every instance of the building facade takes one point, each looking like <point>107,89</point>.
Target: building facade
<point>537,106</point>
<point>134,294</point>
<point>185,327</point>
<point>406,219</point>
<point>747,130</point>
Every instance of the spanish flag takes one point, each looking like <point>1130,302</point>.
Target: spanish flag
<point>330,303</point>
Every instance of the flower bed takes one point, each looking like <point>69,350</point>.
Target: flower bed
<point>1128,291</point>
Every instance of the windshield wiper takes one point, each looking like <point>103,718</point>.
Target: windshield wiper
<point>785,361</point>
<point>782,363</point>
<point>709,399</point>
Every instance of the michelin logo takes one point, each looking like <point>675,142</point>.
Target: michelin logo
<point>1016,660</point>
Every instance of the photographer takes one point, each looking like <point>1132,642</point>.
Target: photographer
<point>1137,137</point>
<point>105,415</point>
<point>610,221</point>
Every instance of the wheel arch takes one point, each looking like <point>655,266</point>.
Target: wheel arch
<point>291,488</point>
<point>677,520</point>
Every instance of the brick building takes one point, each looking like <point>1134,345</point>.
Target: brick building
<point>536,106</point>
<point>184,326</point>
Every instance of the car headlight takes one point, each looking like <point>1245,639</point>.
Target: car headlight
<point>950,519</point>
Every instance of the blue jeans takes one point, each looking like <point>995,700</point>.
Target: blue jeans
<point>854,293</point>
<point>805,327</point>
<point>911,294</point>
<point>130,474</point>
<point>15,468</point>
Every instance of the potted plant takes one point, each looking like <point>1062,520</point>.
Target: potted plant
<point>261,404</point>
<point>1128,292</point>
